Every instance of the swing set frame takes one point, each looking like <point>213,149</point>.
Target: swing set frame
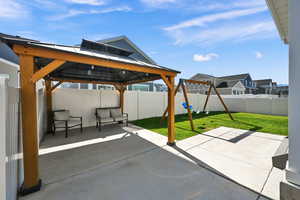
<point>182,84</point>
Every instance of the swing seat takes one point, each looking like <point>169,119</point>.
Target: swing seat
<point>186,107</point>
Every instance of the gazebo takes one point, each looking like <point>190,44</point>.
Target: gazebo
<point>91,62</point>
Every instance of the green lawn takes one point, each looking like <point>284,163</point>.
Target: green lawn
<point>203,122</point>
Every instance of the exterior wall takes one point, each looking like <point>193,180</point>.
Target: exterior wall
<point>293,167</point>
<point>224,91</point>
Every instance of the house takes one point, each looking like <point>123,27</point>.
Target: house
<point>196,88</point>
<point>245,79</point>
<point>264,86</point>
<point>125,43</point>
<point>234,87</point>
<point>232,82</point>
<point>282,91</point>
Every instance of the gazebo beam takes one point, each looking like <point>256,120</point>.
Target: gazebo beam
<point>56,85</point>
<point>142,81</point>
<point>32,182</point>
<point>86,59</point>
<point>47,70</point>
<point>82,81</point>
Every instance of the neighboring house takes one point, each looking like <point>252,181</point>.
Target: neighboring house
<point>282,91</point>
<point>146,87</point>
<point>245,79</point>
<point>198,88</point>
<point>137,54</point>
<point>234,87</point>
<point>160,87</point>
<point>264,86</point>
<point>230,81</point>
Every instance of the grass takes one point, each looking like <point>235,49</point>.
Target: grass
<point>205,122</point>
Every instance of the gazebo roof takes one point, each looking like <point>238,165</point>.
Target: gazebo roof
<point>75,69</point>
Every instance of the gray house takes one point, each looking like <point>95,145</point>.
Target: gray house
<point>245,79</point>
<point>264,86</point>
<point>234,87</point>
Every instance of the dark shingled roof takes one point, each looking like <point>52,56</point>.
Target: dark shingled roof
<point>235,77</point>
<point>201,76</point>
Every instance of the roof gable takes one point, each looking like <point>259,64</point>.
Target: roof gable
<point>230,84</point>
<point>124,43</point>
<point>200,76</point>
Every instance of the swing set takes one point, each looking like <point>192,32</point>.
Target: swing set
<point>186,104</point>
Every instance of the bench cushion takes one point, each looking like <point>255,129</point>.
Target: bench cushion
<point>116,113</point>
<point>103,113</point>
<point>118,119</point>
<point>62,115</point>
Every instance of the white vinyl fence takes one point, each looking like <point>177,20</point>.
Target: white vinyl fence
<point>11,173</point>
<point>140,105</point>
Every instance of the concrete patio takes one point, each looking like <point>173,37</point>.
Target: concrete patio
<point>134,163</point>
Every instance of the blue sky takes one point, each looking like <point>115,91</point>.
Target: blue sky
<point>217,37</point>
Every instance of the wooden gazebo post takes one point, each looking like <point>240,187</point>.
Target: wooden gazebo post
<point>121,89</point>
<point>171,108</point>
<point>49,104</point>
<point>32,182</point>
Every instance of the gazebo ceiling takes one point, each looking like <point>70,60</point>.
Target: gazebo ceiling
<point>71,70</point>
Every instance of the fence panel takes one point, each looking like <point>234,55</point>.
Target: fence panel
<point>10,147</point>
<point>150,104</point>
<point>140,105</point>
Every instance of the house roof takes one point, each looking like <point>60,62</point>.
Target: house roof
<point>200,76</point>
<point>80,71</point>
<point>279,10</point>
<point>123,37</point>
<point>235,77</point>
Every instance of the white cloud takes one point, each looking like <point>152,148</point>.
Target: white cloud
<point>157,3</point>
<point>204,20</point>
<point>205,57</point>
<point>73,12</point>
<point>258,55</point>
<point>88,2</point>
<point>230,32</point>
<point>12,9</point>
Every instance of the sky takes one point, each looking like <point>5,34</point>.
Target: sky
<point>216,37</point>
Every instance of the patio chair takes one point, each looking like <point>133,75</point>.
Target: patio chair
<point>110,115</point>
<point>63,119</point>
